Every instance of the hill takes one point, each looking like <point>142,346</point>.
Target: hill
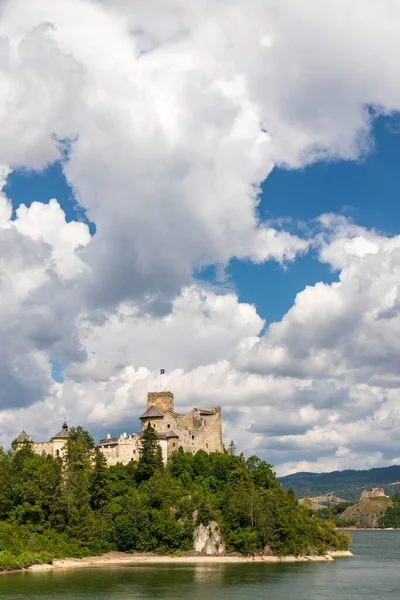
<point>366,513</point>
<point>74,505</point>
<point>346,484</point>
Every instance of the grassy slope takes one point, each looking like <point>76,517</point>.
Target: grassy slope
<point>346,484</point>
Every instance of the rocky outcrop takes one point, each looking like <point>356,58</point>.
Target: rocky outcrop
<point>207,539</point>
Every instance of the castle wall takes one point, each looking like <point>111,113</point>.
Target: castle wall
<point>43,447</point>
<point>55,448</point>
<point>205,434</point>
<point>375,493</point>
<point>197,430</point>
<point>58,447</point>
<point>126,449</point>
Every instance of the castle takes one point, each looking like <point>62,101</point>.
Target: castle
<point>376,493</point>
<point>200,429</point>
<point>55,447</point>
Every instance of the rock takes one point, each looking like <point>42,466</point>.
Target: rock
<point>207,539</point>
<point>267,551</point>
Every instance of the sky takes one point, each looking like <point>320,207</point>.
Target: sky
<point>208,188</point>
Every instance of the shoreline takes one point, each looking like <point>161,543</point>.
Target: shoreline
<point>121,559</point>
<point>367,529</point>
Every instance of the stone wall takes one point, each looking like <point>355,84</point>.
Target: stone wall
<point>201,429</point>
<point>43,447</point>
<point>54,448</point>
<point>375,493</point>
<point>125,449</point>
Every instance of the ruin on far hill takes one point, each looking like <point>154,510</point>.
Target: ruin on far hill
<point>375,493</point>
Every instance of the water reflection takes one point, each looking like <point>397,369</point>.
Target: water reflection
<point>372,574</point>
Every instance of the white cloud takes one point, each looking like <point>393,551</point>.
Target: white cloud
<point>172,114</point>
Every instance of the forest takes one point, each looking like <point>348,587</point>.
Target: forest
<point>78,506</point>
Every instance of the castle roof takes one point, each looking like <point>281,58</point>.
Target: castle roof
<point>63,434</point>
<point>171,434</point>
<point>23,437</point>
<point>152,412</point>
<point>165,435</point>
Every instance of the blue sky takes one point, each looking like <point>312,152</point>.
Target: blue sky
<point>365,191</point>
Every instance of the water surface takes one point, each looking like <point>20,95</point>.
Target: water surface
<point>373,573</point>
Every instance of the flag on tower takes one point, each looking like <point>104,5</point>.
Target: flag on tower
<point>162,371</point>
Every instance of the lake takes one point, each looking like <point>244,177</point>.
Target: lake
<point>372,573</point>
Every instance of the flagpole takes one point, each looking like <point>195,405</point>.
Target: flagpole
<point>162,371</point>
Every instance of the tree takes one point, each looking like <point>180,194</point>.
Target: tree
<point>150,455</point>
<point>232,448</point>
<point>307,500</point>
<point>261,472</point>
<point>99,484</point>
<point>100,492</point>
<point>78,455</point>
<point>395,498</point>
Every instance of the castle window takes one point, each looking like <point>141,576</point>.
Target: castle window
<point>57,453</point>
<point>169,425</point>
<point>192,437</point>
<point>134,452</point>
<point>173,445</point>
<point>206,445</point>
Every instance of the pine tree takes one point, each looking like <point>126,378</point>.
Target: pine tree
<point>79,451</point>
<point>80,515</point>
<point>100,493</point>
<point>232,448</point>
<point>150,455</point>
<point>307,500</point>
<point>99,483</point>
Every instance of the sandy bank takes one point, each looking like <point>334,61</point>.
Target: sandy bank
<point>119,558</point>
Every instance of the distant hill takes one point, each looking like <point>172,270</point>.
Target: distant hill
<point>367,512</point>
<point>345,484</point>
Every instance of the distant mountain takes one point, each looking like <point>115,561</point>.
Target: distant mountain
<point>346,484</point>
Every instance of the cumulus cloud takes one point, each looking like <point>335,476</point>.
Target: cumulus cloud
<point>168,116</point>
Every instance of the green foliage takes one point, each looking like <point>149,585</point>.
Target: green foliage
<point>150,455</point>
<point>77,506</point>
<point>391,518</point>
<point>334,513</point>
